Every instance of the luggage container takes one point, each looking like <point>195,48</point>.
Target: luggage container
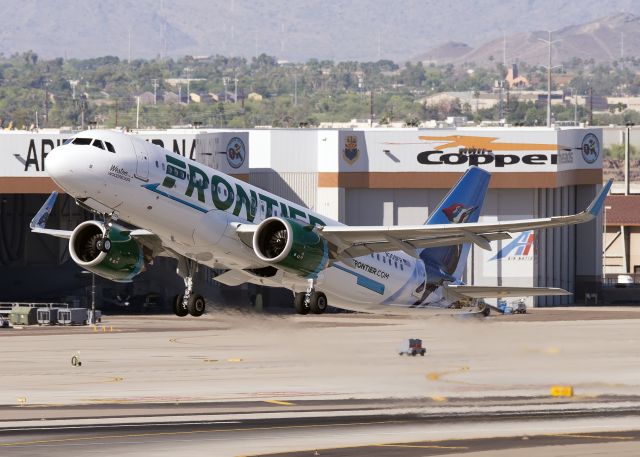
<point>47,316</point>
<point>73,316</point>
<point>23,315</point>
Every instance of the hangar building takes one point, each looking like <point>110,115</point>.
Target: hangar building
<point>360,177</point>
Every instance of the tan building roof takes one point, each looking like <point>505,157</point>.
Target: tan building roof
<point>625,210</point>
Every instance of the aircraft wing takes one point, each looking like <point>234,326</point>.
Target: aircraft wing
<point>39,222</point>
<point>355,241</point>
<point>502,291</point>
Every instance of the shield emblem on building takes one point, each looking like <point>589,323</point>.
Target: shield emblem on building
<point>351,153</point>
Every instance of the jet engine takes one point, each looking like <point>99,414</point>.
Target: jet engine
<point>291,245</point>
<point>124,261</point>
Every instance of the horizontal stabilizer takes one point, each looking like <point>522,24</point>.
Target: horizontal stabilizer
<point>463,291</point>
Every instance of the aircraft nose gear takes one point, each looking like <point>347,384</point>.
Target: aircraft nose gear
<point>104,244</point>
<point>188,303</point>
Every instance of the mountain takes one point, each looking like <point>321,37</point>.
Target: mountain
<point>604,39</point>
<point>290,29</point>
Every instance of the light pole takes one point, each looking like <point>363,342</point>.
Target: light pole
<point>604,245</point>
<point>549,68</point>
<point>225,81</point>
<point>627,153</point>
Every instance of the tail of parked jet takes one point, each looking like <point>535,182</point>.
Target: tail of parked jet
<point>463,203</point>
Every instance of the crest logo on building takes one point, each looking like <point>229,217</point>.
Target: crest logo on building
<point>236,152</point>
<point>590,148</point>
<point>351,153</point>
<point>520,248</point>
<point>457,213</point>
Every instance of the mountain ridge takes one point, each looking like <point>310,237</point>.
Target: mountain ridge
<point>290,30</point>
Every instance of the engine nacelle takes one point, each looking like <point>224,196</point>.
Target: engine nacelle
<point>291,245</point>
<point>122,263</point>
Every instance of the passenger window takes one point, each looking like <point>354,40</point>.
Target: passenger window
<point>82,141</point>
<point>109,147</point>
<point>98,144</point>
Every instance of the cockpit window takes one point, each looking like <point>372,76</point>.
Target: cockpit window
<point>109,147</point>
<point>98,144</point>
<point>67,141</point>
<point>82,141</point>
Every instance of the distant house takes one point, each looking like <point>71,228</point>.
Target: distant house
<point>146,98</point>
<point>200,97</point>
<point>515,80</point>
<point>170,98</point>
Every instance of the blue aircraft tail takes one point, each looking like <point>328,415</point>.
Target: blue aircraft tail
<point>462,204</point>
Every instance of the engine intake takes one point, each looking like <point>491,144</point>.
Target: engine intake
<point>291,245</point>
<point>122,263</point>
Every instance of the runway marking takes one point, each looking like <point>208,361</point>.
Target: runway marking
<point>191,432</point>
<point>594,437</point>
<point>278,402</point>
<point>420,446</point>
<point>116,379</point>
<point>437,375</point>
<point>235,359</point>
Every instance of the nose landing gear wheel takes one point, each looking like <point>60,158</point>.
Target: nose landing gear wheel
<point>196,305</point>
<point>178,307</point>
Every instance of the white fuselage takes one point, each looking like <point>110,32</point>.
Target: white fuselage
<point>194,210</point>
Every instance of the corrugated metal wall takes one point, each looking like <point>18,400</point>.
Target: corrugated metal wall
<point>555,260</point>
<point>297,187</point>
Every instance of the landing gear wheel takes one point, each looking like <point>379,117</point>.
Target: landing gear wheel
<point>318,303</point>
<point>103,244</point>
<point>178,307</point>
<point>196,305</point>
<point>300,304</point>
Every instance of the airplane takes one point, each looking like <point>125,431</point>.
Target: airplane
<point>153,202</point>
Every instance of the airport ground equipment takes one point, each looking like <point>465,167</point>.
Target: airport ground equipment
<point>75,360</point>
<point>519,306</point>
<point>23,315</point>
<point>73,316</point>
<point>412,346</point>
<point>47,316</point>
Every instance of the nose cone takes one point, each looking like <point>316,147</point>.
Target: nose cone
<point>54,164</point>
<point>64,166</point>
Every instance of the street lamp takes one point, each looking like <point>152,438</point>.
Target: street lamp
<point>604,245</point>
<point>92,319</point>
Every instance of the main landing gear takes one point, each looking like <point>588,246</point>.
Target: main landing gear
<point>310,301</point>
<point>188,303</point>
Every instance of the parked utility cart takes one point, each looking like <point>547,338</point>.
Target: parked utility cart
<point>412,346</point>
<point>73,316</point>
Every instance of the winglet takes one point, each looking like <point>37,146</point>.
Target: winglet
<point>596,205</point>
<point>40,219</point>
